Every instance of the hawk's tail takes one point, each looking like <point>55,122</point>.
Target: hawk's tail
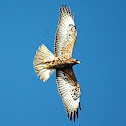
<point>43,55</point>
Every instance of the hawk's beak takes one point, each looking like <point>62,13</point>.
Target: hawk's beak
<point>77,61</point>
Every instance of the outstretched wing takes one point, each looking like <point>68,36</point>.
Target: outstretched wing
<point>69,90</point>
<point>66,34</point>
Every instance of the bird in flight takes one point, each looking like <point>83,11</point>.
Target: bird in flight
<point>45,63</point>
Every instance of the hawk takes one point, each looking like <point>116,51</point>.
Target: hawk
<point>45,63</point>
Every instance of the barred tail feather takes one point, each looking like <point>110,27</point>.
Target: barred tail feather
<point>43,55</point>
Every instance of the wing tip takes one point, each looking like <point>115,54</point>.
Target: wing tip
<point>73,115</point>
<point>65,9</point>
<point>77,113</point>
<point>79,106</point>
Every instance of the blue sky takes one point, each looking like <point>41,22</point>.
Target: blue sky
<point>101,47</point>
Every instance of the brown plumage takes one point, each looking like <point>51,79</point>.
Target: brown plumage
<point>45,63</point>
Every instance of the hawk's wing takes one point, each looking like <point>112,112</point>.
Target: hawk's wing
<point>66,34</point>
<point>69,90</point>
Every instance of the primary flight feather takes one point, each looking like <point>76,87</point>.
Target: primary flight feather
<point>45,63</point>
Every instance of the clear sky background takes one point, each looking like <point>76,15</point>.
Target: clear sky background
<point>101,47</point>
